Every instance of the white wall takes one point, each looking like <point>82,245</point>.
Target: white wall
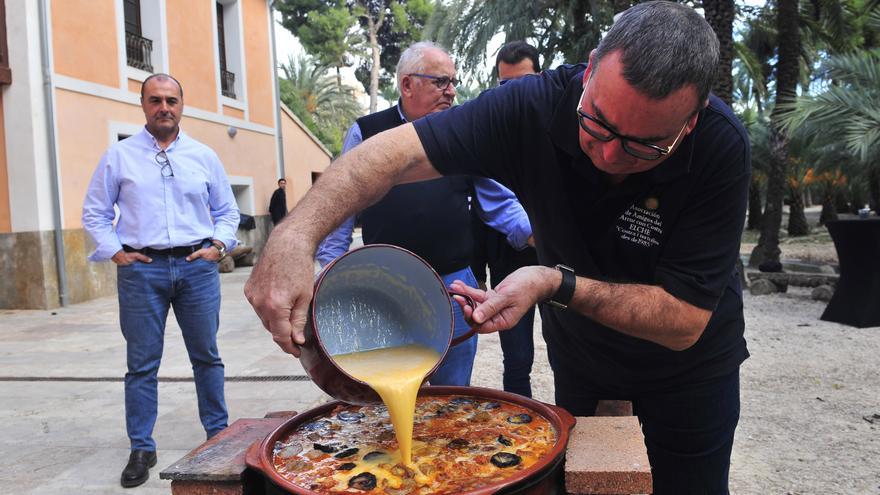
<point>24,113</point>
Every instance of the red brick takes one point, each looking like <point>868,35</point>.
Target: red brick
<point>607,456</point>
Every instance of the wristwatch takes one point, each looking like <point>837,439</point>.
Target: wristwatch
<point>220,247</point>
<point>566,289</point>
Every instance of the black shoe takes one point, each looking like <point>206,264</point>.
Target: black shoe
<point>137,470</point>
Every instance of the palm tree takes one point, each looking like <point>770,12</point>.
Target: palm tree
<point>787,72</point>
<point>313,94</point>
<point>720,15</point>
<point>559,29</point>
<point>848,111</point>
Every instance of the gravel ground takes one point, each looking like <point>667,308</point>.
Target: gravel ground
<point>810,420</point>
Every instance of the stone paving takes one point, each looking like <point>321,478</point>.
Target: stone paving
<point>61,393</point>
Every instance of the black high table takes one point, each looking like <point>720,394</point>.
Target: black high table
<point>856,300</point>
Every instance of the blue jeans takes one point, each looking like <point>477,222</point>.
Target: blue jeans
<point>518,346</point>
<point>688,428</point>
<point>146,291</point>
<point>458,364</point>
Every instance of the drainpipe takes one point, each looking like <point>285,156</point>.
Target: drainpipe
<point>277,89</point>
<point>53,159</point>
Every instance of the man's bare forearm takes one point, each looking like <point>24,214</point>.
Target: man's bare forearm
<point>353,182</point>
<point>643,311</point>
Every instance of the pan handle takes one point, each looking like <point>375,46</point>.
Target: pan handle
<point>568,421</point>
<point>470,333</point>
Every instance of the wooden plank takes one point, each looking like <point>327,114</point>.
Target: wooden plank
<point>222,457</point>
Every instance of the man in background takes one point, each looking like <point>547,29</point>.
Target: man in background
<point>514,60</point>
<point>278,203</point>
<point>177,218</point>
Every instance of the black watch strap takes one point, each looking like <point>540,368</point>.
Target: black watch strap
<point>566,289</point>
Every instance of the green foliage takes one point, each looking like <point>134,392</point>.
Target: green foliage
<point>327,37</point>
<point>314,96</point>
<point>323,28</point>
<point>404,22</point>
<point>467,92</point>
<point>566,29</point>
<point>849,109</point>
<point>337,32</point>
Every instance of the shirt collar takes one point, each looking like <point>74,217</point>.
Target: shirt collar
<point>400,111</point>
<point>564,130</point>
<point>155,144</point>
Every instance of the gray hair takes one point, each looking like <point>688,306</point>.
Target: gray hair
<point>664,46</point>
<point>411,60</point>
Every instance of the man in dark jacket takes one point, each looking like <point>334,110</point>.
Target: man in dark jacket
<point>278,203</point>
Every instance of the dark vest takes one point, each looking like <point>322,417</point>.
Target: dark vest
<point>431,218</point>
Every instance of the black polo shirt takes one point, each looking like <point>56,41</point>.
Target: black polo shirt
<point>677,225</point>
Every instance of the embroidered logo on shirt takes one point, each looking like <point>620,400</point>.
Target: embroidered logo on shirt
<point>652,203</point>
<point>641,226</point>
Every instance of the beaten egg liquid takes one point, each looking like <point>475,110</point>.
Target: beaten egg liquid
<point>395,373</point>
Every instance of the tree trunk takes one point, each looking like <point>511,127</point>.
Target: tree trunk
<point>338,79</point>
<point>786,91</point>
<point>841,201</point>
<point>829,212</point>
<point>768,242</point>
<point>797,220</point>
<point>720,15</point>
<point>756,216</point>
<point>376,66</point>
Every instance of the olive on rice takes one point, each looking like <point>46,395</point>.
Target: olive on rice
<point>505,459</point>
<point>363,481</point>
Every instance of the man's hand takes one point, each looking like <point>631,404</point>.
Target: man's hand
<point>502,307</point>
<point>209,253</point>
<point>122,258</point>
<point>280,290</point>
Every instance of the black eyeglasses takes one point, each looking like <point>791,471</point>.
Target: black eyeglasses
<point>162,159</point>
<point>441,82</point>
<point>639,149</point>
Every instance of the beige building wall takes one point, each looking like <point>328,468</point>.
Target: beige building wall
<point>96,98</point>
<point>84,40</point>
<point>191,48</point>
<point>304,156</point>
<point>258,51</point>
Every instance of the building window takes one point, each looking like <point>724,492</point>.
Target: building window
<point>227,77</point>
<point>138,49</point>
<point>230,51</point>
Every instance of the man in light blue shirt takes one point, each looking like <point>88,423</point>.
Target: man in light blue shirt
<point>431,219</point>
<point>177,218</point>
